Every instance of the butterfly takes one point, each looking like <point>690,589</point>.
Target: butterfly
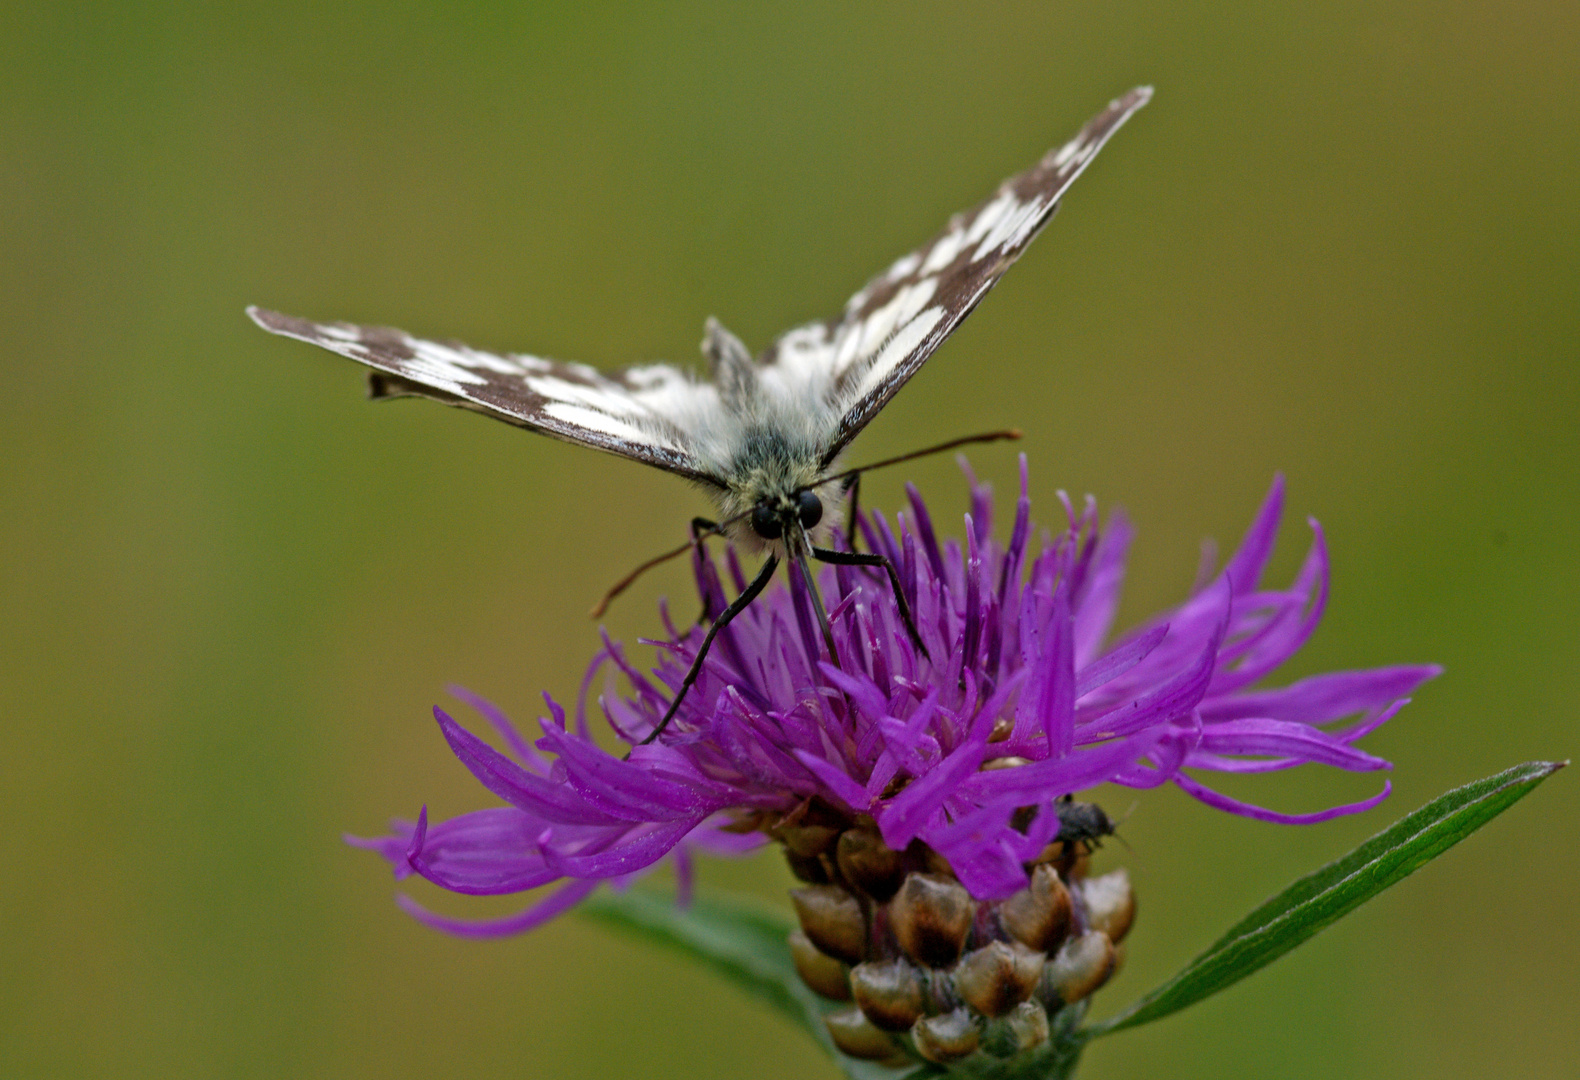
<point>763,435</point>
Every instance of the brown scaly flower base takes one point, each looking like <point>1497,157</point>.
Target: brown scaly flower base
<point>930,970</point>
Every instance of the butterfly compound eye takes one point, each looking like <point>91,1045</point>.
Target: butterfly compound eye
<point>809,508</point>
<point>765,522</point>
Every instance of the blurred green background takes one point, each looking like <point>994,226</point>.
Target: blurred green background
<point>1341,243</point>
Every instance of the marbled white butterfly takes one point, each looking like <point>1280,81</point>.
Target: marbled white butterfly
<point>762,435</point>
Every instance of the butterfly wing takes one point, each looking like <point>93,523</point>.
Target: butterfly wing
<point>642,413</point>
<point>890,328</point>
<point>654,413</point>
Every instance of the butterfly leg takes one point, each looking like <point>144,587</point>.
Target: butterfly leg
<point>857,558</point>
<point>758,584</point>
<point>701,529</point>
<point>853,489</point>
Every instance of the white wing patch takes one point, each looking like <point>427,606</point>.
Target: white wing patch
<point>904,266</point>
<point>943,252</point>
<point>881,325</point>
<point>904,342</point>
<point>644,414</point>
<point>590,419</point>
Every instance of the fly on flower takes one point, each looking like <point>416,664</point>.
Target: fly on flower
<point>762,435</point>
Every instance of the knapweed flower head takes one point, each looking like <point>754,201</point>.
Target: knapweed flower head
<point>958,757</point>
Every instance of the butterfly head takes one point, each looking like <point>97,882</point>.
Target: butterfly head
<point>779,497</point>
<point>773,517</point>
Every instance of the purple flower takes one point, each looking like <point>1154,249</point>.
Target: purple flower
<point>1025,699</point>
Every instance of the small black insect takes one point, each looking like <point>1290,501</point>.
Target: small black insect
<point>1082,822</point>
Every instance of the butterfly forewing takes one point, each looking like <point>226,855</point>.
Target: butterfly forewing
<point>890,328</point>
<point>640,413</point>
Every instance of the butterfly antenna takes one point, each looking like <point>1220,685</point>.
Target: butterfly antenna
<point>985,437</point>
<point>700,528</point>
<point>625,583</point>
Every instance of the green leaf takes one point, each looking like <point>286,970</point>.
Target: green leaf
<point>1324,897</point>
<point>746,943</point>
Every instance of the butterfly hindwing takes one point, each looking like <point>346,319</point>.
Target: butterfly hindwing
<point>890,328</point>
<point>639,413</point>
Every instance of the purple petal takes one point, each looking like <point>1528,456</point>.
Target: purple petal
<point>631,789</point>
<point>1323,698</point>
<point>924,530</point>
<point>561,900</point>
<point>419,836</point>
<point>1055,776</point>
<point>1283,636</point>
<point>685,877</point>
<point>1100,672</point>
<point>392,848</point>
<point>981,501</point>
<point>1015,553</point>
<point>1280,738</point>
<point>1371,723</point>
<point>905,814</point>
<point>1056,710</point>
<point>1219,801</point>
<point>1101,597</point>
<point>632,852</point>
<point>840,785</point>
<point>864,694</point>
<point>521,789</point>
<point>501,723</point>
<point>479,859</point>
<point>1244,571</point>
<point>1163,705</point>
<point>715,839</point>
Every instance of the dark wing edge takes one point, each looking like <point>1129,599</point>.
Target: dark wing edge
<point>572,402</point>
<point>890,328</point>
